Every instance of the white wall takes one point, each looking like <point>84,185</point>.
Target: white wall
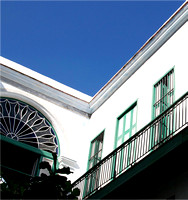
<point>70,126</point>
<point>140,87</point>
<point>75,131</point>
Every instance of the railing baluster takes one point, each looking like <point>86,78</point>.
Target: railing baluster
<point>186,111</point>
<point>179,116</point>
<point>182,112</point>
<point>139,145</point>
<point>134,149</point>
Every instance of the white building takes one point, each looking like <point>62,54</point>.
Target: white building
<point>138,116</point>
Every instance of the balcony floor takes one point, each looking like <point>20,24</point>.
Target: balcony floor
<point>162,174</point>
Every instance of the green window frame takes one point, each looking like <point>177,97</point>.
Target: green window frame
<point>125,128</point>
<point>24,130</point>
<point>163,93</point>
<point>95,153</point>
<point>25,124</point>
<point>163,97</point>
<point>126,125</point>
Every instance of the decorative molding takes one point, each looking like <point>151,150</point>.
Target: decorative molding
<point>23,123</point>
<point>44,91</point>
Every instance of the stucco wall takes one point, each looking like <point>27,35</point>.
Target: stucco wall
<point>140,88</point>
<point>75,130</point>
<point>70,126</point>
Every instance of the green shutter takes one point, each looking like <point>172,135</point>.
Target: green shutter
<point>95,155</point>
<point>126,127</point>
<point>163,98</point>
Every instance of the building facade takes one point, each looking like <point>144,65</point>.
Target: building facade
<point>131,136</point>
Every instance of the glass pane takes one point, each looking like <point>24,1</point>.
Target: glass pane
<point>96,150</point>
<point>99,155</point>
<point>126,136</point>
<point>119,142</point>
<point>120,130</point>
<point>171,81</point>
<point>134,116</point>
<point>96,146</point>
<point>93,149</point>
<point>157,110</point>
<point>91,164</point>
<point>157,97</point>
<point>127,120</point>
<point>133,131</point>
<point>100,146</point>
<point>164,93</point>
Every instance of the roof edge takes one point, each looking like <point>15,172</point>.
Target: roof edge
<point>44,80</point>
<point>147,50</point>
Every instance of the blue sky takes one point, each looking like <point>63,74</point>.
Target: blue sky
<point>81,44</point>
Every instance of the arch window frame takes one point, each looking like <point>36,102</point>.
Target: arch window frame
<point>34,112</point>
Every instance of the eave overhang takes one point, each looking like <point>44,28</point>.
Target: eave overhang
<point>43,87</point>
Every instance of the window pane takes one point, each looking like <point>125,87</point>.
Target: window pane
<point>96,150</point>
<point>127,120</point>
<point>126,136</point>
<point>163,93</point>
<point>90,164</point>
<point>119,142</point>
<point>133,131</point>
<point>120,129</point>
<point>134,116</point>
<point>157,95</point>
<point>126,123</point>
<point>93,149</point>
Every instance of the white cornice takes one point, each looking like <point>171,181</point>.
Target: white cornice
<point>36,86</point>
<point>43,79</point>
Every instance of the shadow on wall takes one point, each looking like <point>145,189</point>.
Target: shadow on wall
<point>2,88</point>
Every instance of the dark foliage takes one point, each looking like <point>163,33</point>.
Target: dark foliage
<point>54,186</point>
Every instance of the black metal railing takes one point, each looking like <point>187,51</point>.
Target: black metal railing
<point>144,142</point>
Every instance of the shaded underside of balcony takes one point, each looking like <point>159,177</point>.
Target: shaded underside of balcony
<point>161,174</point>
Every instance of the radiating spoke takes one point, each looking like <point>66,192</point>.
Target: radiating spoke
<point>21,122</point>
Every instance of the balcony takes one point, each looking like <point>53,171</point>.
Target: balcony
<point>145,143</point>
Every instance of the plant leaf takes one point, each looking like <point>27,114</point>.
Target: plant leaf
<point>64,170</point>
<point>60,179</point>
<point>45,165</point>
<point>75,192</point>
<point>43,175</point>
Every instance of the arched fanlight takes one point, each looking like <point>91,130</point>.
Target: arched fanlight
<point>25,124</point>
